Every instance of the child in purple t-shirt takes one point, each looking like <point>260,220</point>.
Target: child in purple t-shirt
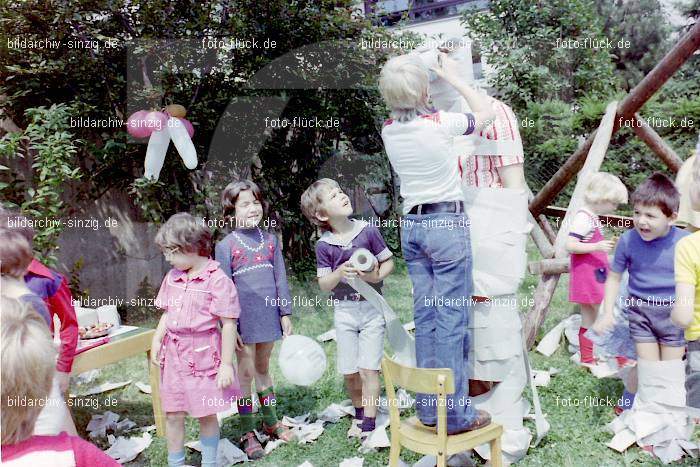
<point>647,253</point>
<point>359,325</point>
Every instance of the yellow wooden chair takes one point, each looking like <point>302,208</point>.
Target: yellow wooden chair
<point>413,435</point>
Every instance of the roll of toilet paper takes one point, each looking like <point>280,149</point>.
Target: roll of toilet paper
<point>363,260</point>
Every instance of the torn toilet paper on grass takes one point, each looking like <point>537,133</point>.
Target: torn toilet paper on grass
<point>100,424</point>
<point>606,364</point>
<point>143,387</point>
<point>543,377</point>
<point>227,453</point>
<point>657,417</point>
<point>126,449</point>
<point>334,412</point>
<point>326,336</point>
<point>569,327</point>
<point>352,462</point>
<point>87,377</point>
<point>462,459</point>
<point>104,387</point>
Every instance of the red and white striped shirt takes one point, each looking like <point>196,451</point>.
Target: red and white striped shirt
<point>482,170</point>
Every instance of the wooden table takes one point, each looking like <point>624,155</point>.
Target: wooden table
<point>118,348</point>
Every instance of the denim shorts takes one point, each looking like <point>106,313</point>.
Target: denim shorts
<point>651,322</point>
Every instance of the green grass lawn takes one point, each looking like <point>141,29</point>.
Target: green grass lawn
<point>577,436</point>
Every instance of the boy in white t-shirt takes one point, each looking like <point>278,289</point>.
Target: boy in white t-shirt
<point>435,230</point>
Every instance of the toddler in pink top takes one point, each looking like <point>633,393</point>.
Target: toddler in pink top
<point>195,353</point>
<point>589,252</point>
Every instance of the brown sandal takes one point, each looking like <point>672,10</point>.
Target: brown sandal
<point>279,431</point>
<point>252,447</point>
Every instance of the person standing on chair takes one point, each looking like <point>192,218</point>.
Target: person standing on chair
<point>435,229</point>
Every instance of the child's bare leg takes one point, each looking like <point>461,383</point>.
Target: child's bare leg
<point>370,391</point>
<point>672,353</point>
<point>353,384</point>
<point>208,426</point>
<point>246,367</point>
<point>246,373</point>
<point>209,440</point>
<point>175,429</point>
<point>631,380</point>
<point>266,393</point>
<point>263,380</point>
<point>648,351</point>
<point>589,313</point>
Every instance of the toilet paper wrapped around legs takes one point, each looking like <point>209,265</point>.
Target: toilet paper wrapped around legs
<point>498,355</point>
<point>658,417</point>
<point>498,229</point>
<point>403,344</point>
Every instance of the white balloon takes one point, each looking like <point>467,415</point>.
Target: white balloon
<point>302,360</point>
<point>183,142</point>
<point>155,153</point>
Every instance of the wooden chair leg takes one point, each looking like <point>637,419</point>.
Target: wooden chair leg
<point>496,455</point>
<point>158,415</point>
<point>394,450</point>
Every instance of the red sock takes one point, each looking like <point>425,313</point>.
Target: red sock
<point>585,346</point>
<point>623,361</point>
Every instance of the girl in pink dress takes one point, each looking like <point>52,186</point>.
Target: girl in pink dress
<point>589,252</point>
<point>195,337</point>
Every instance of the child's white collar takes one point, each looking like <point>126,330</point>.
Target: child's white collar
<point>332,239</point>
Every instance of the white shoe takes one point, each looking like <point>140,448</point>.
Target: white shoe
<point>355,431</point>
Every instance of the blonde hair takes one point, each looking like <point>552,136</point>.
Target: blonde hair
<point>311,200</point>
<point>185,232</point>
<point>695,170</point>
<point>15,253</point>
<point>28,361</point>
<point>605,187</point>
<point>403,83</point>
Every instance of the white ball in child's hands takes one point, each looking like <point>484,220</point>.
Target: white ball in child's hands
<point>302,360</point>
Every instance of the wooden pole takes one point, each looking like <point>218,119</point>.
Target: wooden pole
<point>592,163</point>
<point>540,238</point>
<point>549,266</point>
<point>547,283</point>
<point>636,98</point>
<point>657,144</point>
<point>543,296</point>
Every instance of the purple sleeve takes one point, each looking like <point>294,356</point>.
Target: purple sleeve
<point>377,245</point>
<point>281,283</point>
<point>471,125</point>
<point>222,254</point>
<point>324,262</point>
<point>620,260</point>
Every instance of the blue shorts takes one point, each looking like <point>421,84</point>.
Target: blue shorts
<point>650,322</point>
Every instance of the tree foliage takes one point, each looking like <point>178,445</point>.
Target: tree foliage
<point>522,43</point>
<point>157,58</point>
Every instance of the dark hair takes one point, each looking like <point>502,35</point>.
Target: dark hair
<point>658,190</point>
<point>186,232</point>
<point>233,190</point>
